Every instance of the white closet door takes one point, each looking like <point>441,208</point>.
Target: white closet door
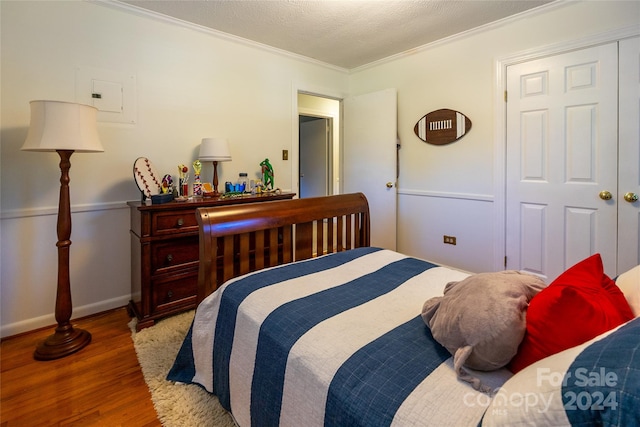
<point>629,174</point>
<point>562,151</point>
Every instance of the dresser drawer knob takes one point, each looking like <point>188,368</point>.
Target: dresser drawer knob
<point>180,222</point>
<point>170,294</point>
<point>169,258</point>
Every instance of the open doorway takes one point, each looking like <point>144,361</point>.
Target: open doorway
<point>318,146</point>
<point>364,139</point>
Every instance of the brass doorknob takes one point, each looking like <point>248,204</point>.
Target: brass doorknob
<point>605,195</point>
<point>389,184</point>
<point>631,197</point>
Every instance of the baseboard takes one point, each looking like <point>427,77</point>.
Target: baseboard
<point>49,320</point>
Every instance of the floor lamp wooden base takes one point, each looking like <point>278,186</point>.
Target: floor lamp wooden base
<point>62,343</point>
<point>66,340</point>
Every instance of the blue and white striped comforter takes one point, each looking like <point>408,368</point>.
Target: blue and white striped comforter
<point>334,341</point>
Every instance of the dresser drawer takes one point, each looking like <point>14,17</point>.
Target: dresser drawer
<point>171,292</point>
<point>163,223</point>
<point>178,253</point>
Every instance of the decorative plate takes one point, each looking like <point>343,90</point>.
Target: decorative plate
<point>146,177</point>
<point>442,127</point>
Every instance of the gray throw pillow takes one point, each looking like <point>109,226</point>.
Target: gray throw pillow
<point>481,320</point>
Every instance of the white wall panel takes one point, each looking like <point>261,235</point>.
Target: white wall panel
<point>459,73</point>
<point>99,266</point>
<point>189,85</point>
<point>433,216</point>
<point>192,85</point>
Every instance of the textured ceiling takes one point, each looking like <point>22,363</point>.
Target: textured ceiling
<point>347,34</point>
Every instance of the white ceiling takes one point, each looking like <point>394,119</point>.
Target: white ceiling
<point>344,33</point>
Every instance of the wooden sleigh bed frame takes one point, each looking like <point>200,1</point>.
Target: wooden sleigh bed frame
<point>238,239</point>
<point>339,340</point>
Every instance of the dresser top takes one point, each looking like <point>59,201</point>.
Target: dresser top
<point>197,202</point>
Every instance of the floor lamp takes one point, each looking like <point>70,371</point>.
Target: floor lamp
<point>63,127</point>
<point>214,150</point>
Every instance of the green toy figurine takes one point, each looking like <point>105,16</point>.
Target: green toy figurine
<point>267,174</point>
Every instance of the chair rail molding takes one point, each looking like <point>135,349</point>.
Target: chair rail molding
<point>53,210</point>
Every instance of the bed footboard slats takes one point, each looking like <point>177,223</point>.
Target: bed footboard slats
<point>238,239</point>
<point>304,240</point>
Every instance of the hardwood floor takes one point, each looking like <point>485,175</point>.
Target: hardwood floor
<point>100,385</point>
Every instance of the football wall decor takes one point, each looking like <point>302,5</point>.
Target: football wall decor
<point>442,127</point>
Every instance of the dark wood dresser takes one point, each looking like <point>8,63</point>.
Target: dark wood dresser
<point>164,255</point>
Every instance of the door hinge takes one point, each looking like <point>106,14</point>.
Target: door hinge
<point>505,96</point>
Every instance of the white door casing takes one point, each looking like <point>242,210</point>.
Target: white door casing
<point>562,151</point>
<point>629,162</point>
<point>369,159</point>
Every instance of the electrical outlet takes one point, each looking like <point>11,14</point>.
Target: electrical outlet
<point>285,154</point>
<point>450,240</point>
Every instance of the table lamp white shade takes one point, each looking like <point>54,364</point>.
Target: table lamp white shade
<point>214,149</point>
<point>57,125</point>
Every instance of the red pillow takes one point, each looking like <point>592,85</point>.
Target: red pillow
<point>580,304</point>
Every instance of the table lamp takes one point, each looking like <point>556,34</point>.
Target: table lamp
<point>215,150</point>
<point>63,127</point>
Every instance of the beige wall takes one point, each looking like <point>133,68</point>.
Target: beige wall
<point>457,189</point>
<point>192,84</point>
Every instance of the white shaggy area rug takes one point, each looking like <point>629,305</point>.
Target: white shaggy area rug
<point>177,405</point>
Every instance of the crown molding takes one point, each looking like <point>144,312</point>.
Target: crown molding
<point>118,5</point>
<point>135,10</point>
<point>466,34</point>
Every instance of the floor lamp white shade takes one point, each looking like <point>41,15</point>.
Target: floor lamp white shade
<point>57,125</point>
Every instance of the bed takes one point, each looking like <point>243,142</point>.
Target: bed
<point>301,322</point>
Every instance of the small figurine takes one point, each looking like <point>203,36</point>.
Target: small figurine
<point>167,182</point>
<point>267,174</point>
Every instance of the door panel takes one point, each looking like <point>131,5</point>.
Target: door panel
<point>629,173</point>
<point>369,153</point>
<point>314,158</point>
<point>561,153</point>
